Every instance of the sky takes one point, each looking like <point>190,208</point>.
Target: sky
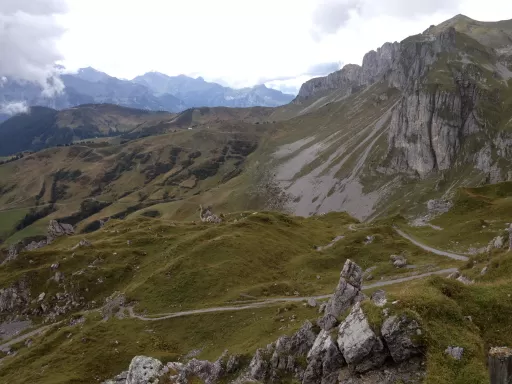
<point>239,43</point>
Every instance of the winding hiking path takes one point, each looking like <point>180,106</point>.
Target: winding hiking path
<point>26,336</point>
<point>270,302</point>
<point>451,255</point>
<point>259,304</point>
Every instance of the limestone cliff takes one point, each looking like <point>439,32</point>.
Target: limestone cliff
<point>435,107</point>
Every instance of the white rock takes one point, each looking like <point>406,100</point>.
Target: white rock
<point>455,352</point>
<point>312,302</point>
<point>143,370</point>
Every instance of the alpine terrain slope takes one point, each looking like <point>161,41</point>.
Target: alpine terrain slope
<point>360,234</point>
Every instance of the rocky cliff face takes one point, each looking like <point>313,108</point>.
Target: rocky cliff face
<point>352,77</point>
<point>436,105</point>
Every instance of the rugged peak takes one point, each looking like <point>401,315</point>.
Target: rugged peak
<point>352,76</point>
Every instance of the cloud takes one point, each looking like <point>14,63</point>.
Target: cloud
<point>29,33</point>
<point>322,69</point>
<point>332,15</point>
<point>292,83</point>
<point>15,108</point>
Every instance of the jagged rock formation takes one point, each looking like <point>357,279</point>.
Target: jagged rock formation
<point>440,98</point>
<point>398,261</point>
<point>359,344</point>
<point>207,216</point>
<point>346,294</point>
<point>352,77</point>
<point>14,298</point>
<point>347,354</point>
<point>56,229</point>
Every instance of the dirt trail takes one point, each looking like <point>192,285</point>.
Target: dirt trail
<point>430,249</point>
<point>270,302</point>
<point>26,336</point>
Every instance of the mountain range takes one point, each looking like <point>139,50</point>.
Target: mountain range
<point>152,91</point>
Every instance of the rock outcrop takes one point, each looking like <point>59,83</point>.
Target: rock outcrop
<point>352,353</point>
<point>352,77</point>
<point>359,344</point>
<point>143,370</point>
<point>346,294</point>
<point>14,298</point>
<point>455,352</point>
<point>207,216</point>
<point>324,361</point>
<point>398,261</point>
<point>403,337</point>
<point>56,229</point>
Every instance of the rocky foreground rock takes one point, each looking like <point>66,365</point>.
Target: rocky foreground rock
<point>350,350</point>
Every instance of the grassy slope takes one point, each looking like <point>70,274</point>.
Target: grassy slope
<point>478,215</point>
<point>171,266</point>
<point>169,167</point>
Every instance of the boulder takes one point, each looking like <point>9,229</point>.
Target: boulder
<point>360,346</point>
<point>207,216</point>
<point>346,294</point>
<point>56,229</point>
<point>368,274</point>
<point>312,302</point>
<point>143,370</point>
<point>379,298</point>
<point>402,336</point>
<point>398,261</point>
<point>82,243</point>
<point>497,242</point>
<point>455,352</point>
<point>324,361</point>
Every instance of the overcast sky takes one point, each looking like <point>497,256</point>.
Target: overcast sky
<point>236,42</point>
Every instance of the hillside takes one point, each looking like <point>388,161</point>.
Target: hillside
<point>45,127</point>
<point>118,293</point>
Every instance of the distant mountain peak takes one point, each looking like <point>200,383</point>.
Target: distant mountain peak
<point>92,74</point>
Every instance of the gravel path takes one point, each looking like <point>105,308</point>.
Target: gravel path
<point>270,302</point>
<point>430,249</point>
